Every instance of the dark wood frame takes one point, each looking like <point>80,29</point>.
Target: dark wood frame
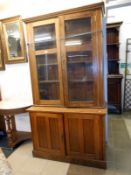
<point>114,79</point>
<point>16,19</point>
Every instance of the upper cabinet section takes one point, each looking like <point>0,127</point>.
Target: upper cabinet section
<point>13,40</point>
<point>65,54</point>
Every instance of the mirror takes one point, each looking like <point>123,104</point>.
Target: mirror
<point>14,40</point>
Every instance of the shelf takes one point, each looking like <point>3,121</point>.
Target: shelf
<point>81,81</point>
<point>50,64</point>
<point>77,35</point>
<point>45,51</point>
<point>115,76</point>
<point>77,62</point>
<point>84,47</point>
<point>113,44</point>
<point>113,60</point>
<point>48,81</point>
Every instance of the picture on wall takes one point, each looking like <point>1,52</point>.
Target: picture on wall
<point>13,39</point>
<point>2,65</point>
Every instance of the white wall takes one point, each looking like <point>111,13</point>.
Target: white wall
<point>122,14</point>
<point>37,7</point>
<point>15,80</point>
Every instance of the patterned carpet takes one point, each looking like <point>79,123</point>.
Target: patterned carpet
<point>5,168</point>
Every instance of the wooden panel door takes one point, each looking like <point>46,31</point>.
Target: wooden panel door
<point>47,131</point>
<point>45,62</point>
<point>83,139</point>
<point>82,59</point>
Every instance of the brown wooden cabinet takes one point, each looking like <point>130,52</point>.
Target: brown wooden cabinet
<point>114,77</point>
<point>66,64</point>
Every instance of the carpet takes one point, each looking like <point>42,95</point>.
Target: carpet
<point>5,168</point>
<point>4,146</point>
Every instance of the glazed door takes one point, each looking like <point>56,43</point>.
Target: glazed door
<point>45,62</point>
<point>80,59</point>
<point>48,134</point>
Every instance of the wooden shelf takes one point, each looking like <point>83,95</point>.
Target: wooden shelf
<point>49,81</point>
<point>47,51</point>
<point>50,64</point>
<point>77,62</point>
<point>113,44</point>
<point>115,76</point>
<point>113,60</point>
<point>78,35</point>
<point>84,47</point>
<point>80,81</point>
<point>68,110</point>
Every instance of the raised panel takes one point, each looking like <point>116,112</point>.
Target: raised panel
<point>47,131</point>
<point>54,133</point>
<point>42,132</point>
<point>82,135</point>
<point>89,136</point>
<point>74,141</point>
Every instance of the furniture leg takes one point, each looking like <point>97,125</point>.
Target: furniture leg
<point>10,129</point>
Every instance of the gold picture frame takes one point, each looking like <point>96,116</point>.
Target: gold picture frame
<point>14,41</point>
<point>2,63</point>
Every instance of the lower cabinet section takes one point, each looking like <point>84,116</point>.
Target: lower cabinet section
<point>70,137</point>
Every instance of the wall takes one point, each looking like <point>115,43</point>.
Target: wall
<point>122,14</point>
<point>37,7</point>
<point>15,80</point>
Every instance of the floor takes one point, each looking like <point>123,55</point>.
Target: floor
<point>118,155</point>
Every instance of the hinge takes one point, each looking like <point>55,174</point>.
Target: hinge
<point>30,45</point>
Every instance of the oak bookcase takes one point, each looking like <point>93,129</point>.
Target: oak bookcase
<point>66,64</point>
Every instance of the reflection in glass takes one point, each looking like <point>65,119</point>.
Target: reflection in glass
<point>79,59</point>
<point>47,71</point>
<point>13,36</point>
<point>45,37</point>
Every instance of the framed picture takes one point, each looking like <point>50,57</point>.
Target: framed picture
<point>13,39</point>
<point>2,64</point>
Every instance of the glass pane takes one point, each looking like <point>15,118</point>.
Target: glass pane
<point>45,37</point>
<point>13,38</point>
<point>47,69</point>
<point>79,59</point>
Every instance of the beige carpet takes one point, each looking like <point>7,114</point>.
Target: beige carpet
<point>5,168</point>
